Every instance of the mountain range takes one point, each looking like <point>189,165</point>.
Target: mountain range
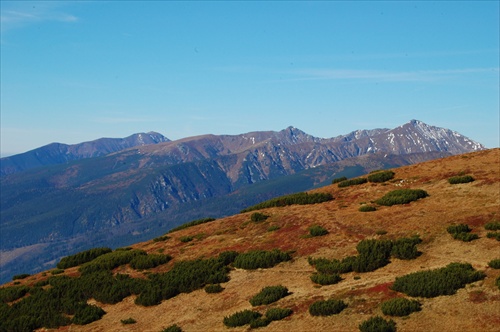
<point>60,199</point>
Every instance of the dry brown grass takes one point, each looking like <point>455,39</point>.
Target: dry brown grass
<point>475,308</point>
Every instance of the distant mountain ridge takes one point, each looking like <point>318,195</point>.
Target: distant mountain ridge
<point>58,153</point>
<point>142,191</point>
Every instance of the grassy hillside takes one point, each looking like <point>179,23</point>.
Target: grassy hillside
<point>354,238</point>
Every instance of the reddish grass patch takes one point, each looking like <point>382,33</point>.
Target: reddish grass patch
<point>478,297</point>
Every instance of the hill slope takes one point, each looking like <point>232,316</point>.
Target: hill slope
<point>474,307</point>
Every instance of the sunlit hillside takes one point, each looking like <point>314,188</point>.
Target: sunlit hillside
<point>472,306</point>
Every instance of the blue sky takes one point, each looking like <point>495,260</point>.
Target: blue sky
<point>78,71</point>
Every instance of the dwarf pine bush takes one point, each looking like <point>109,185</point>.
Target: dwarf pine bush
<point>301,198</point>
<point>325,279</point>
<point>352,182</point>
<point>460,179</point>
<point>443,281</point>
<point>340,179</point>
<point>494,264</point>
<point>269,295</point>
<point>377,324</point>
<point>278,313</point>
<point>241,318</point>
<point>317,230</point>
<point>492,226</point>
<point>172,328</point>
<point>213,288</point>
<point>257,216</point>
<point>327,307</point>
<point>256,259</point>
<point>381,176</point>
<point>401,196</point>
<point>400,307</point>
<point>367,208</point>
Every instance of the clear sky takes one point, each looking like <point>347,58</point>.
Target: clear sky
<point>78,71</point>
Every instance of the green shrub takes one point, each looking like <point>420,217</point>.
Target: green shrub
<point>405,248</point>
<point>443,281</point>
<point>86,314</point>
<point>110,260</point>
<point>334,266</point>
<point>142,262</point>
<point>227,257</point>
<point>340,179</point>
<point>493,235</point>
<point>241,318</point>
<point>381,176</point>
<point>462,228</point>
<point>269,295</point>
<point>172,328</point>
<point>128,321</point>
<point>12,293</point>
<point>401,196</point>
<point>492,226</point>
<point>21,276</point>
<point>256,259</point>
<point>400,307</point>
<point>82,257</point>
<point>465,237</point>
<point>191,224</point>
<point>298,198</point>
<point>460,179</point>
<point>495,263</point>
<point>56,271</point>
<point>325,279</point>
<point>317,230</point>
<point>161,238</point>
<point>352,182</point>
<point>327,307</point>
<point>367,208</point>
<point>377,324</point>
<point>257,216</point>
<point>277,313</point>
<point>373,254</point>
<point>186,238</point>
<point>273,228</point>
<point>259,322</point>
<point>213,288</point>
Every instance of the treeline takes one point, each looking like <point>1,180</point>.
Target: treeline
<point>301,198</point>
<point>443,281</point>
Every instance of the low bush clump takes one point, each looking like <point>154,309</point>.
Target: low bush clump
<point>334,266</point>
<point>400,307</point>
<point>327,307</point>
<point>269,295</point>
<point>460,179</point>
<point>191,224</point>
<point>443,281</point>
<point>142,262</point>
<point>128,321</point>
<point>227,257</point>
<point>257,216</point>
<point>377,324</point>
<point>493,235</point>
<point>110,260</point>
<point>241,318</point>
<point>352,182</point>
<point>340,179</point>
<point>367,208</point>
<point>325,279</point>
<point>20,276</point>
<point>301,198</point>
<point>86,314</point>
<point>186,238</point>
<point>278,313</point>
<point>172,328</point>
<point>161,238</point>
<point>213,288</point>
<point>273,228</point>
<point>492,226</point>
<point>405,248</point>
<point>82,257</point>
<point>256,259</point>
<point>13,293</point>
<point>56,271</point>
<point>317,230</point>
<point>381,176</point>
<point>401,196</point>
<point>495,263</point>
<point>462,232</point>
